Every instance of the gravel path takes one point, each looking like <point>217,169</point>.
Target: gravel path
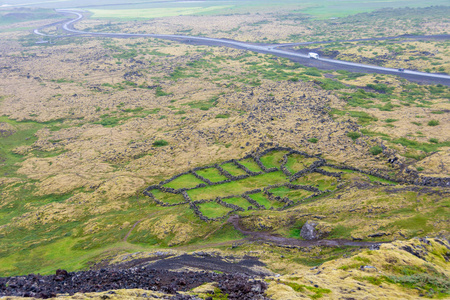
<point>278,240</point>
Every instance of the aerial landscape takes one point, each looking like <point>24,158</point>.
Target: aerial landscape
<point>224,149</point>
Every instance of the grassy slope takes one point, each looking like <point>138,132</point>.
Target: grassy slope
<point>393,273</point>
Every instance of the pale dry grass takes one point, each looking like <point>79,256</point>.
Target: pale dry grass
<point>415,55</point>
<point>342,282</point>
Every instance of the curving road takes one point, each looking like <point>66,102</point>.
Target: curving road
<point>321,63</point>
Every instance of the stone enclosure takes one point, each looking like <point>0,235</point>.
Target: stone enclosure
<point>275,178</point>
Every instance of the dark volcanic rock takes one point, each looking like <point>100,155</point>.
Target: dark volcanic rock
<point>237,286</point>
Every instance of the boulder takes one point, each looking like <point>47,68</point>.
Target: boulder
<point>309,231</point>
<point>313,230</point>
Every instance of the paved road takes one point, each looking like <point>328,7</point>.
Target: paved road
<point>321,63</point>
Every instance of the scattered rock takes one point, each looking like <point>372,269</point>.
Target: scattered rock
<point>378,234</point>
<point>309,231</point>
<point>236,285</point>
<point>315,230</point>
<point>368,269</point>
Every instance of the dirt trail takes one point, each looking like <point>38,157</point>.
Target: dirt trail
<point>265,236</point>
<point>135,224</point>
<point>129,232</point>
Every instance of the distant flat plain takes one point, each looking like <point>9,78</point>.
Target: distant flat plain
<point>145,9</point>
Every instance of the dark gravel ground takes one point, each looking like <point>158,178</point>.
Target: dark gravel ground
<point>237,286</point>
<point>205,261</point>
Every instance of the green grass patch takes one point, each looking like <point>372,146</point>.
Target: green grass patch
<point>241,202</point>
<point>279,70</point>
<point>224,234</point>
<point>126,54</point>
<point>160,93</point>
<point>322,182</point>
<point>217,294</point>
<point>23,134</point>
<point>44,247</point>
<point>294,195</point>
<point>184,181</point>
<point>362,259</point>
<point>28,202</point>
<point>353,135</point>
<point>263,200</point>
<point>233,169</point>
<point>334,170</point>
<point>435,284</point>
<point>363,118</point>
<point>250,164</point>
<point>375,150</point>
<point>318,292</point>
<point>360,98</point>
<point>341,232</point>
<point>312,262</point>
<point>212,174</point>
<point>273,159</point>
<point>351,266</point>
<point>168,198</point>
<point>160,143</point>
<point>371,279</point>
<point>213,210</point>
<point>426,147</point>
<point>433,123</point>
<point>222,116</point>
<point>390,120</point>
<point>415,223</point>
<point>237,187</point>
<point>378,179</point>
<point>374,133</point>
<point>313,72</point>
<point>297,162</point>
<point>45,259</point>
<point>109,121</point>
<point>118,117</point>
<point>381,87</point>
<point>330,84</point>
<point>203,105</point>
